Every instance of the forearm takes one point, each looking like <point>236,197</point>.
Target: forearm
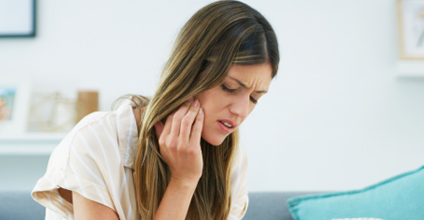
<point>176,201</point>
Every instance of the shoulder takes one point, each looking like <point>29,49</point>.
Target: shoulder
<point>95,127</point>
<point>85,132</point>
<point>92,119</point>
<point>112,133</point>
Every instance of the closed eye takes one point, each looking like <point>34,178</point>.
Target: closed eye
<point>228,89</point>
<point>254,101</point>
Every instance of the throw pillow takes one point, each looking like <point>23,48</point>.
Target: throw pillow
<point>398,198</point>
<point>356,219</point>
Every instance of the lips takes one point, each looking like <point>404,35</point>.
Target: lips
<point>227,126</point>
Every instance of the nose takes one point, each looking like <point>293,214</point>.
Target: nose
<point>240,107</point>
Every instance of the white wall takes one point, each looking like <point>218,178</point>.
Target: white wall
<point>337,117</point>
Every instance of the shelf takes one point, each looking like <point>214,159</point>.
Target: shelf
<point>29,143</point>
<point>410,68</point>
<point>33,136</point>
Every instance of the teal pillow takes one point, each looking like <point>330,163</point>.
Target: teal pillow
<point>398,198</point>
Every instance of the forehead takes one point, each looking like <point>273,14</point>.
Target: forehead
<point>258,76</point>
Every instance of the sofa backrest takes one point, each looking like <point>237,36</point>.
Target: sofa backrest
<point>16,205</point>
<point>270,205</point>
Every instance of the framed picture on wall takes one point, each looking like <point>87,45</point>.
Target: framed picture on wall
<point>17,18</point>
<point>14,104</point>
<point>411,28</point>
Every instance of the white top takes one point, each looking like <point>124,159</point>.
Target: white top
<point>96,160</point>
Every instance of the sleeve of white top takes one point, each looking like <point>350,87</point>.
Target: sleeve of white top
<point>87,169</point>
<point>75,165</point>
<point>240,200</point>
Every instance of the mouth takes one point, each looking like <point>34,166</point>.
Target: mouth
<point>226,126</point>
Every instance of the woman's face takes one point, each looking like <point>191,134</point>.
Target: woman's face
<point>227,105</point>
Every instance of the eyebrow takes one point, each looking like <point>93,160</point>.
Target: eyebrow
<point>242,84</point>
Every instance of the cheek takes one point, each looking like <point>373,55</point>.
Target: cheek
<point>209,100</point>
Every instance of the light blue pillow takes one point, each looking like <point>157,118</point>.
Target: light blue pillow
<point>398,198</point>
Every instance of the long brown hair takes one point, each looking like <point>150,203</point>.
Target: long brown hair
<point>218,35</point>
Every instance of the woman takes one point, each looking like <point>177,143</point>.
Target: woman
<point>175,156</point>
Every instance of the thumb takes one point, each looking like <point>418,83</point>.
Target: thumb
<point>158,128</point>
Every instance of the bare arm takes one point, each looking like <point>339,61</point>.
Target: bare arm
<point>176,200</point>
<point>174,204</point>
<point>87,209</point>
<point>179,141</point>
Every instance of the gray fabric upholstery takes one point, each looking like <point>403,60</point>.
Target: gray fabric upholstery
<point>18,205</point>
<point>270,205</point>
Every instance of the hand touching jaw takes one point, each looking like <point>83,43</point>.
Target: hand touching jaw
<point>228,104</point>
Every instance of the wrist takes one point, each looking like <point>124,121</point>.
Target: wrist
<point>184,183</point>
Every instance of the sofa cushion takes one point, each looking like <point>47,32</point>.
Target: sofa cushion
<point>398,198</point>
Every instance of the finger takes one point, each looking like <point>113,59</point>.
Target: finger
<point>196,132</point>
<point>178,116</point>
<point>188,120</point>
<point>163,131</point>
<point>168,124</point>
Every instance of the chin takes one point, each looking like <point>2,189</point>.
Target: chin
<point>215,141</point>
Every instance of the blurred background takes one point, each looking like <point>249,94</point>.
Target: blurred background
<point>341,113</point>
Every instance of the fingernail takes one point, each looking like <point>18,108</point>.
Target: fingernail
<point>201,111</point>
<point>196,103</point>
<point>189,100</point>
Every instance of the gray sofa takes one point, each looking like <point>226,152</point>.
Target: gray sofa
<point>18,205</point>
